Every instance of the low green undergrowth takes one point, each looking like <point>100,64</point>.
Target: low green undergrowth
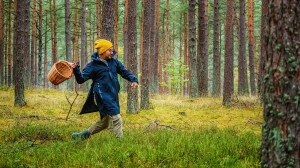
<point>175,132</point>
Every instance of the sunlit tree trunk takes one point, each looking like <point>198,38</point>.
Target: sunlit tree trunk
<point>192,51</point>
<point>132,99</point>
<point>21,48</point>
<point>229,50</point>
<point>251,46</point>
<point>281,128</point>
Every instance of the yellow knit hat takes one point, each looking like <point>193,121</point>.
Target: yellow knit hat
<point>102,45</point>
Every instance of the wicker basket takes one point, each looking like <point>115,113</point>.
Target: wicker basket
<point>60,72</point>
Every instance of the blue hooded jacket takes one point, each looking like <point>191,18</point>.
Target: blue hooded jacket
<point>105,86</point>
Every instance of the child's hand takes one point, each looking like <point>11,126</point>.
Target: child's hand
<point>134,85</point>
<point>73,65</point>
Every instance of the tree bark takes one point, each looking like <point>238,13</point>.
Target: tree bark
<point>108,20</point>
<point>83,44</point>
<point>166,50</point>
<point>192,51</point>
<point>251,46</point>
<point>152,47</point>
<point>242,61</point>
<point>132,99</point>
<point>75,40</point>
<point>33,62</point>
<point>264,9</point>
<point>229,50</point>
<point>40,44</point>
<point>145,103</point>
<point>9,50</point>
<point>68,38</point>
<point>186,60</point>
<point>1,43</point>
<point>45,54</point>
<point>156,48</point>
<point>99,18</point>
<point>216,89</point>
<point>21,48</point>
<point>281,128</point>
<point>116,27</point>
<point>202,52</point>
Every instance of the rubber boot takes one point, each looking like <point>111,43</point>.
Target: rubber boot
<point>81,135</point>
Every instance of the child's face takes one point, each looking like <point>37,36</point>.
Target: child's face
<point>107,54</point>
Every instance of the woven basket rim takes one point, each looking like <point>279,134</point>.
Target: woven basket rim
<point>66,63</point>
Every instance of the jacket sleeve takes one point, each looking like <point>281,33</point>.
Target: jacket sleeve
<point>85,75</point>
<point>125,73</point>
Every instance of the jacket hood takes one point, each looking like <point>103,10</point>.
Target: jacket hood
<point>95,56</point>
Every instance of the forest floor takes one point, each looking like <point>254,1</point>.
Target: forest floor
<point>175,132</point>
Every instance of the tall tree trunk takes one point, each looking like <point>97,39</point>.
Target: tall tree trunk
<point>53,33</point>
<point>216,88</point>
<point>91,36</point>
<point>251,46</point>
<point>281,128</point>
<point>76,39</point>
<point>264,9</point>
<point>116,27</point>
<point>83,44</point>
<point>99,18</point>
<point>145,103</point>
<point>68,38</point>
<point>167,48</point>
<point>141,37</point>
<point>229,50</point>
<point>33,64</point>
<point>202,54</point>
<point>180,57</point>
<point>192,51</point>
<point>1,43</point>
<point>152,47</point>
<point>132,99</point>
<point>45,53</point>
<point>156,48</point>
<point>186,56</point>
<point>242,61</point>
<point>40,47</point>
<point>21,48</point>
<point>9,51</point>
<point>108,20</point>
